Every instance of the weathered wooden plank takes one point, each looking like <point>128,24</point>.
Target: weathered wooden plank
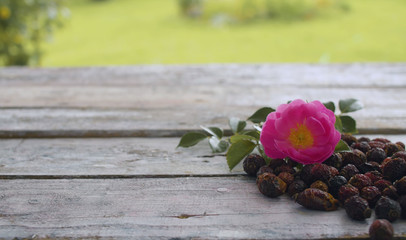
<point>327,75</point>
<point>113,157</point>
<point>168,100</point>
<point>225,208</point>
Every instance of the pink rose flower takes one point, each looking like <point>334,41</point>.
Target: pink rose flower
<point>301,131</point>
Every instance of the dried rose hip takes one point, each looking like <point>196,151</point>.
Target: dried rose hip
<point>346,191</point>
<point>402,145</point>
<point>371,194</point>
<point>368,167</point>
<point>305,174</point>
<point>401,186</point>
<point>270,185</point>
<point>402,202</point>
<point>334,160</point>
<point>348,171</point>
<point>388,209</point>
<point>286,177</point>
<point>357,208</point>
<point>376,155</point>
<point>374,176</point>
<point>382,184</point>
<point>276,163</point>
<point>348,138</point>
<point>252,163</point>
<point>401,154</point>
<point>391,148</point>
<point>394,169</point>
<point>264,169</point>
<point>382,140</point>
<point>313,198</point>
<point>297,186</point>
<point>335,184</point>
<point>376,144</point>
<point>381,229</point>
<point>362,146</point>
<point>321,171</point>
<point>364,139</point>
<point>319,185</point>
<point>360,181</point>
<point>390,192</point>
<point>356,157</point>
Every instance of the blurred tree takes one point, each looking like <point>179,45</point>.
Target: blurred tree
<point>24,25</point>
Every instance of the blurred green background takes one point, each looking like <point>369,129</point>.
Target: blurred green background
<point>124,32</point>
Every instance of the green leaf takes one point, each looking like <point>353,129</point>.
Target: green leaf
<point>217,146</point>
<point>349,124</point>
<point>260,115</point>
<point>238,151</point>
<point>349,105</point>
<point>237,125</point>
<point>191,139</point>
<point>252,133</point>
<point>214,131</point>
<point>338,124</point>
<point>342,147</point>
<point>238,137</point>
<point>330,106</point>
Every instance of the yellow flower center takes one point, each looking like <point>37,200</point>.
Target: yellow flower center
<point>301,137</point>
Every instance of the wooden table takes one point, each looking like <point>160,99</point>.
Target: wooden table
<point>89,153</point>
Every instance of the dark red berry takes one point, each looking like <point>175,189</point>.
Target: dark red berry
<point>286,177</point>
<point>313,198</point>
<point>356,157</point>
<point>319,185</point>
<point>348,171</point>
<point>348,138</point>
<point>270,185</point>
<point>364,139</point>
<point>382,184</point>
<point>402,145</point>
<point>374,176</point>
<point>284,168</point>
<point>381,229</point>
<point>371,194</point>
<point>334,160</point>
<point>390,192</point>
<point>376,155</point>
<point>321,172</point>
<point>335,184</point>
<point>305,174</point>
<point>382,140</point>
<point>376,144</point>
<point>368,167</point>
<point>400,154</point>
<point>276,163</point>
<point>388,209</point>
<point>360,181</point>
<point>357,208</point>
<point>346,191</point>
<point>297,186</point>
<point>252,163</point>
<point>394,169</point>
<point>391,148</point>
<point>402,202</point>
<point>264,169</point>
<point>362,146</point>
<point>401,185</point>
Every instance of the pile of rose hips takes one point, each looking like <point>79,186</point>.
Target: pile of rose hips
<point>371,176</point>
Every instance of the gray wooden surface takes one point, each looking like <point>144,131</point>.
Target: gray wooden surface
<point>89,153</point>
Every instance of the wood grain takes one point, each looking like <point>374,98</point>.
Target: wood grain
<point>113,158</point>
<point>158,101</point>
<point>223,208</point>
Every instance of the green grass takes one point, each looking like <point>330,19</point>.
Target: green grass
<point>124,32</point>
